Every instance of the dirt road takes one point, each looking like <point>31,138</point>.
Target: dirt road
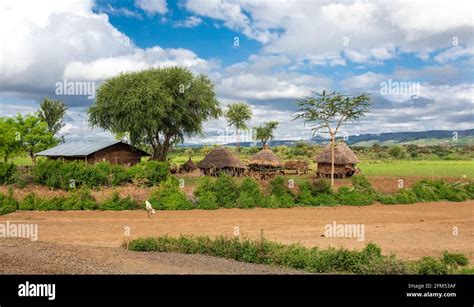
<point>409,231</point>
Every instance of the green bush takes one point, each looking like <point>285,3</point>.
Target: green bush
<point>250,194</point>
<point>117,203</point>
<point>7,172</point>
<point>226,190</point>
<point>367,261</point>
<point>168,196</point>
<point>81,199</point>
<point>154,172</point>
<point>305,195</point>
<point>455,260</point>
<point>30,202</point>
<point>432,266</point>
<point>402,196</point>
<point>321,186</point>
<point>362,184</point>
<point>469,189</point>
<point>281,195</point>
<point>48,204</point>
<point>7,203</point>
<point>350,197</point>
<point>207,200</point>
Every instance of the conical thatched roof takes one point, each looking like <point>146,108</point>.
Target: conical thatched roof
<point>342,155</point>
<point>189,165</point>
<point>265,157</point>
<point>220,158</point>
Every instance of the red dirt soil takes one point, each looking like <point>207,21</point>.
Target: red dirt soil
<point>409,231</point>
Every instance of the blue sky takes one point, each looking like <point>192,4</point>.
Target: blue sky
<point>286,50</point>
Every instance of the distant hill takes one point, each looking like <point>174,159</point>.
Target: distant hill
<point>431,137</point>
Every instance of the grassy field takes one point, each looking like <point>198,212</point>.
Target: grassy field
<point>419,168</point>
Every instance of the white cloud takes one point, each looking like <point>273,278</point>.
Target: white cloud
<point>190,22</point>
<point>374,30</point>
<point>454,53</point>
<point>152,7</point>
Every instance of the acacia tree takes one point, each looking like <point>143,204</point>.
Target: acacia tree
<point>52,112</point>
<point>264,133</point>
<point>328,111</point>
<point>238,115</point>
<point>155,108</point>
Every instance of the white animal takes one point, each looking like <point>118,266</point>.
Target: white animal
<point>149,208</point>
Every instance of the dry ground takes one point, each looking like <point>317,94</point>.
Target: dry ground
<point>409,231</point>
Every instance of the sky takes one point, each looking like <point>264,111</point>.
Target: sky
<point>415,58</point>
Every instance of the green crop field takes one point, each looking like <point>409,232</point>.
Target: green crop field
<point>419,168</point>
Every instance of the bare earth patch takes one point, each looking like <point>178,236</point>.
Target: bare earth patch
<point>409,231</point>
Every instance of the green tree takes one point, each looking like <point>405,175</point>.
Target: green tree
<point>238,115</point>
<point>10,144</point>
<point>156,108</point>
<point>52,112</point>
<point>264,133</point>
<point>34,135</point>
<point>397,152</point>
<point>328,111</point>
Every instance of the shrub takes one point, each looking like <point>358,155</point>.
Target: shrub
<point>362,184</point>
<point>207,200</point>
<point>7,172</point>
<point>431,266</point>
<point>469,189</point>
<point>454,259</point>
<point>119,175</point>
<point>117,203</point>
<point>30,202</point>
<point>250,194</point>
<point>325,200</point>
<point>226,190</point>
<point>281,194</point>
<point>81,199</point>
<point>7,203</point>
<point>402,196</point>
<point>321,186</point>
<point>350,197</point>
<point>305,195</point>
<point>48,204</point>
<point>168,196</point>
<point>368,261</point>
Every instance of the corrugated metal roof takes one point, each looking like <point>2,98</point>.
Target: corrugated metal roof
<point>77,149</point>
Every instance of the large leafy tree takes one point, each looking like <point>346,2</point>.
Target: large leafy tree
<point>327,111</point>
<point>264,133</point>
<point>238,115</point>
<point>52,112</point>
<point>10,144</point>
<point>156,108</point>
<point>34,135</point>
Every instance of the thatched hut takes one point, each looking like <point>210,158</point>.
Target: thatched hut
<point>221,160</point>
<point>344,162</point>
<point>188,166</point>
<point>264,165</point>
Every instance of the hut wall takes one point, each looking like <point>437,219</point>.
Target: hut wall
<point>119,154</point>
<point>340,170</point>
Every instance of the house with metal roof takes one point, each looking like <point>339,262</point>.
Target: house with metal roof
<point>94,151</point>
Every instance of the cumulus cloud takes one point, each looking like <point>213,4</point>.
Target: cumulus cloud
<point>152,7</point>
<point>190,22</point>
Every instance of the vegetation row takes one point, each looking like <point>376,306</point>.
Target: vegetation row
<point>366,261</point>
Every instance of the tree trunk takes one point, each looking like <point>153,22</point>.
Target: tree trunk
<point>332,159</point>
<point>237,134</point>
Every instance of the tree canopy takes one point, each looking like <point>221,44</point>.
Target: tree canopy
<point>327,111</point>
<point>10,144</point>
<point>52,112</point>
<point>155,108</point>
<point>34,135</point>
<point>264,133</point>
<point>238,115</point>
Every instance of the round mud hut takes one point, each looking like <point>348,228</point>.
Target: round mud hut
<point>221,160</point>
<point>264,164</point>
<point>188,166</point>
<point>344,162</point>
